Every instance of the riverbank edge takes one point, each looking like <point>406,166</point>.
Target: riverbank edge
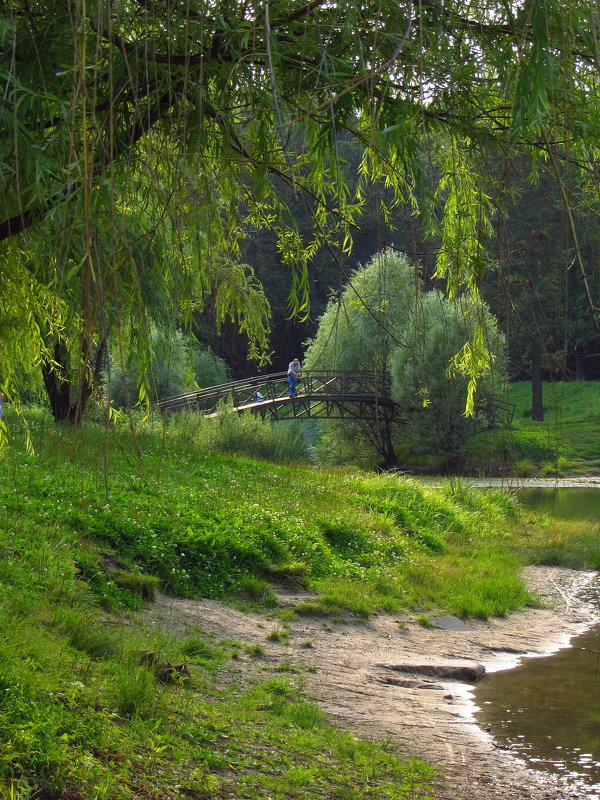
<point>514,483</point>
<point>360,674</point>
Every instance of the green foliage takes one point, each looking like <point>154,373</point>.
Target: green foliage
<point>257,590</point>
<point>129,177</point>
<point>489,587</point>
<point>359,331</point>
<point>571,427</point>
<point>563,543</point>
<point>566,442</point>
<point>138,583</point>
<point>385,321</point>
<point>83,633</point>
<point>79,708</point>
<point>136,693</point>
<point>279,635</point>
<point>432,395</point>
<point>82,716</point>
<point>218,526</point>
<point>175,365</point>
<point>362,328</point>
<point>242,434</point>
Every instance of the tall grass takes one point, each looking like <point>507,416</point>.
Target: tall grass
<point>240,434</point>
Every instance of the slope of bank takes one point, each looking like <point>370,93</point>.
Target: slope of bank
<point>386,679</point>
<point>566,442</point>
<point>99,700</point>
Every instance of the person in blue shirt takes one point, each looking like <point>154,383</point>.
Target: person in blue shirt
<point>292,376</point>
<point>1,404</point>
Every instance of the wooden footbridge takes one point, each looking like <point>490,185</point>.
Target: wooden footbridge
<point>321,394</point>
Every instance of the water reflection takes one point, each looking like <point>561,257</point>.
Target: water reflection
<point>547,711</point>
<point>563,503</point>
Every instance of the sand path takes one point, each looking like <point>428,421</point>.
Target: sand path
<point>349,670</point>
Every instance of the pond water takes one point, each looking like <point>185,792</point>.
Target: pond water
<point>547,710</point>
<point>563,503</point>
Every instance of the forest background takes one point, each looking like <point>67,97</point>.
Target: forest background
<point>208,170</point>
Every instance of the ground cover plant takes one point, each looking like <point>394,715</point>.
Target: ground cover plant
<point>84,712</point>
<point>202,523</point>
<point>96,703</point>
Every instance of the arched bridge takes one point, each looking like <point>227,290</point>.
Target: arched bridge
<point>321,394</point>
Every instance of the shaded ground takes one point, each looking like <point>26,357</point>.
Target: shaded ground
<point>352,670</point>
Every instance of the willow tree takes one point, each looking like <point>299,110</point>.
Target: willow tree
<point>190,116</point>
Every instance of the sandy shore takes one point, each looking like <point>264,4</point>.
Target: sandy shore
<point>352,670</point>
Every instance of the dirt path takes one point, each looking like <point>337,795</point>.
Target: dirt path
<point>349,670</point>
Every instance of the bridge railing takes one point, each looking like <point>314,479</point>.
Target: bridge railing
<point>274,389</point>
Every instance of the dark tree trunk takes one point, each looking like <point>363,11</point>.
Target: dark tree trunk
<point>386,445</point>
<point>579,366</point>
<point>57,388</point>
<point>60,386</point>
<point>537,401</point>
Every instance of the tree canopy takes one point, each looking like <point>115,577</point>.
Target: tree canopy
<point>386,321</point>
<point>173,127</point>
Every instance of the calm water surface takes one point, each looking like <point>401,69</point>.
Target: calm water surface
<point>563,503</point>
<point>547,710</point>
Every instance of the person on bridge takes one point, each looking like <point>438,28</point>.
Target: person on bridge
<point>292,376</point>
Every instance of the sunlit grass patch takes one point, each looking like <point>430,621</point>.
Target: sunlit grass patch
<point>484,582</point>
<point>557,542</point>
<point>209,525</point>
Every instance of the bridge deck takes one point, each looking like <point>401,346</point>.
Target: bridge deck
<point>329,394</point>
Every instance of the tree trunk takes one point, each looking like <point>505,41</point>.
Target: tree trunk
<point>57,388</point>
<point>537,401</point>
<point>61,386</point>
<point>386,445</point>
<point>579,365</point>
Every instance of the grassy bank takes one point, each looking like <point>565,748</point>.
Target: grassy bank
<point>94,704</point>
<point>214,525</point>
<point>566,442</point>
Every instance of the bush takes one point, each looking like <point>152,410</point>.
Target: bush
<point>178,365</point>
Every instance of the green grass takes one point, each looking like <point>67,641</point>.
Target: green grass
<point>81,715</point>
<point>563,543</point>
<point>82,711</point>
<point>217,526</point>
<point>566,442</point>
